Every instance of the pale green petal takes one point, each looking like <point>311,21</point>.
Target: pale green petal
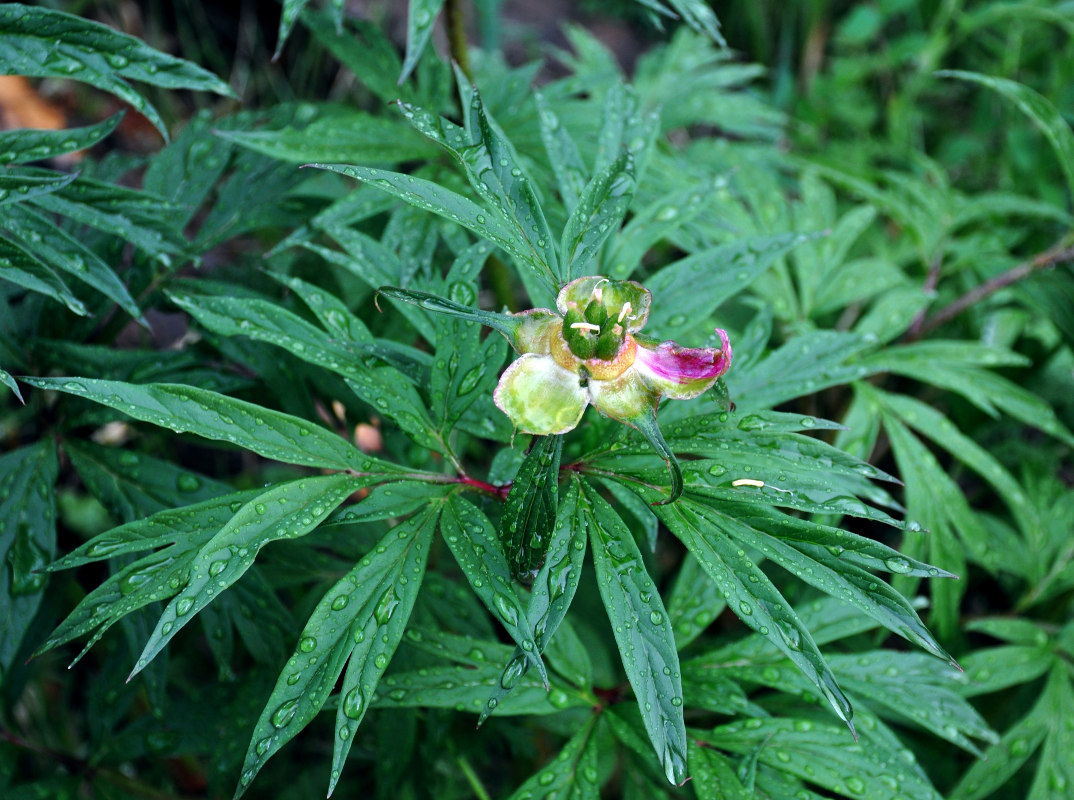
<point>623,398</point>
<point>540,396</point>
<point>534,327</point>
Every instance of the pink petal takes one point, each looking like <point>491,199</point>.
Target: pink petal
<point>684,372</point>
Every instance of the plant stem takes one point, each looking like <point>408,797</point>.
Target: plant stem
<point>1057,254</point>
<point>473,779</point>
<point>456,31</point>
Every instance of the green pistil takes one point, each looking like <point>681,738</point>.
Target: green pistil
<point>603,343</point>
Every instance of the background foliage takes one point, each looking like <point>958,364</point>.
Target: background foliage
<point>207,419</point>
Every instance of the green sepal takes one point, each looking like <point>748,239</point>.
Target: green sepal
<point>507,324</point>
<point>646,423</point>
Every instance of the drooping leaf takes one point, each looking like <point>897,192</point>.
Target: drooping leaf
<point>216,416</point>
<point>21,267</point>
<point>1038,108</point>
<point>45,43</point>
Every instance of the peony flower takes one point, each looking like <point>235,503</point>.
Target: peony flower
<point>589,354</point>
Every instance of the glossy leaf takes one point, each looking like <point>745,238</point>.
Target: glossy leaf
<point>597,216</point>
<point>22,145</point>
<point>421,16</point>
<point>21,267</point>
<point>286,511</point>
<point>361,618</point>
<point>478,551</point>
<point>642,630</point>
<point>269,433</point>
<point>819,754</point>
<point>51,44</point>
<point>529,514</point>
<point>752,596</point>
<point>572,775</point>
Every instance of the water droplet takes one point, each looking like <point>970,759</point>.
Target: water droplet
<point>285,713</point>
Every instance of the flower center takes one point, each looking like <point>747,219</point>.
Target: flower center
<point>592,332</point>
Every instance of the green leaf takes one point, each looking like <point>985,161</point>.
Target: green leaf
<point>642,630</point>
<point>27,539</point>
<point>551,595</point>
<point>753,598</point>
<point>22,145</point>
<point>478,551</point>
<point>598,214</point>
<point>20,267</point>
<point>181,408</point>
<point>157,530</point>
<point>59,249</point>
<point>1045,723</point>
<point>714,775</point>
<point>688,291</point>
<point>563,154</point>
<point>695,602</point>
<point>819,754</point>
<point>699,16</point>
<point>466,689</point>
<point>286,511</point>
<point>1038,108</point>
<point>9,382</point>
<point>421,16</point>
<point>24,183</point>
<point>133,485</point>
<point>529,514</point>
<point>361,618</point>
<point>435,198</point>
<point>913,688</point>
<point>571,775</point>
<point>142,219</point>
<point>804,365</point>
<point>336,134</point>
<point>44,43</point>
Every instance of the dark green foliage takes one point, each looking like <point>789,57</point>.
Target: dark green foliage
<point>263,397</point>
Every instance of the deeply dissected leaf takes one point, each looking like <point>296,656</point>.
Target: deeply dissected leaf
<point>361,618</point>
<point>133,485</point>
<point>752,596</point>
<point>21,267</point>
<point>690,290</point>
<point>286,511</point>
<point>643,631</point>
<point>818,754</point>
<point>59,249</point>
<point>45,43</point>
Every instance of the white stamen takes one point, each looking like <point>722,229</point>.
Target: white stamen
<point>585,326</point>
<point>748,482</point>
<point>624,311</point>
<point>598,291</point>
